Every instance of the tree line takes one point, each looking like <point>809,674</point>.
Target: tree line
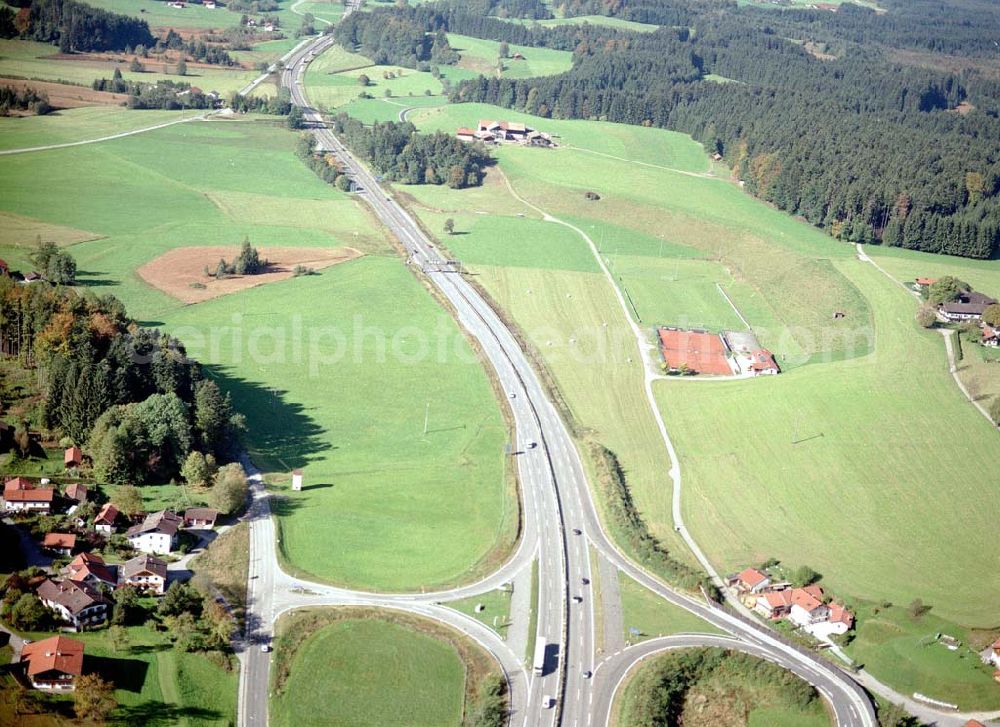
<point>401,154</point>
<point>78,27</point>
<point>25,99</point>
<point>159,95</point>
<point>869,150</point>
<point>129,394</point>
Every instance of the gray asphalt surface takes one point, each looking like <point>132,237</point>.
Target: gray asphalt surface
<point>560,519</point>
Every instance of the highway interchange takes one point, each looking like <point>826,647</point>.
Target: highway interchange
<point>561,528</point>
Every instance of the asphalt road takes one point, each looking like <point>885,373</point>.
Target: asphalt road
<point>552,470</point>
<point>560,521</point>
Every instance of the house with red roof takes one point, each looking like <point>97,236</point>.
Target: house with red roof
<point>750,580</point>
<point>808,607</point>
<point>53,663</point>
<point>466,134</point>
<point>774,604</point>
<point>762,363</point>
<point>91,568</point>
<point>77,492</point>
<point>36,499</point>
<point>105,520</point>
<point>61,543</point>
<point>72,457</point>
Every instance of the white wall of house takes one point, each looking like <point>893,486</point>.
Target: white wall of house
<point>804,618</point>
<point>151,583</point>
<point>152,542</point>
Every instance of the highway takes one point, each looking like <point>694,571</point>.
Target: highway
<point>560,522</point>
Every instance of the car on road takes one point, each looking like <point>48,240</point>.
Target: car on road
<point>532,444</point>
<point>512,395</point>
<point>577,599</point>
<point>265,648</point>
<point>577,531</point>
<point>548,702</point>
<point>587,674</point>
<point>585,581</point>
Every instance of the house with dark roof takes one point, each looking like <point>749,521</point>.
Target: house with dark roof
<point>196,518</point>
<point>79,604</point>
<point>61,543</point>
<point>77,493</point>
<point>157,533</point>
<point>53,663</point>
<point>91,568</point>
<point>145,573</point>
<point>968,306</point>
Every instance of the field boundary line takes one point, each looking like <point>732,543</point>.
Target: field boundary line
<point>648,377</point>
<point>699,175</point>
<point>121,135</point>
<point>952,366</point>
<point>735,309</point>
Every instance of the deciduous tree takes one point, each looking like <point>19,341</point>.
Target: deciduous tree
<point>94,698</point>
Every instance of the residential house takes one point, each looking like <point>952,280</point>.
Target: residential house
<point>465,134</point>
<point>925,282</point>
<point>969,306</point>
<point>17,483</point>
<point>105,520</point>
<point>145,573</point>
<point>210,4</point>
<point>991,336</point>
<point>38,499</point>
<point>53,663</point>
<point>4,268</point>
<point>157,533</point>
<point>751,580</point>
<point>197,518</point>
<point>808,607</point>
<point>72,457</point>
<point>77,603</point>
<point>32,277</point>
<point>77,493</point>
<point>762,363</point>
<point>91,568</point>
<point>268,27</point>
<point>61,543</point>
<point>841,620</point>
<point>994,656</point>
<point>774,604</point>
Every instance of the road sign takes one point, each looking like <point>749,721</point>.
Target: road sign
<point>632,631</point>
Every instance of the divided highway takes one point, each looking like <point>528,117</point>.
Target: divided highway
<point>561,522</point>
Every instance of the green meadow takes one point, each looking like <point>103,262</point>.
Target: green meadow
<point>480,56</point>
<point>389,505</point>
<point>371,673</point>
<point>333,90</point>
<point>91,122</point>
<point>155,683</point>
<point>26,59</point>
<point>878,423</point>
<point>653,616</point>
<point>852,468</point>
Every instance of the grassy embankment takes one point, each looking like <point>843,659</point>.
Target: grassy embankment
<point>409,509</point>
<point>726,688</point>
<point>365,667</point>
<point>669,236</point>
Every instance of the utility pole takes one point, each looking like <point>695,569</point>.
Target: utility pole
<point>427,415</point>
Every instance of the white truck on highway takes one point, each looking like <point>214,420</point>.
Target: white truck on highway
<point>539,657</point>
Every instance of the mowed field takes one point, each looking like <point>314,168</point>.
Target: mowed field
<point>71,125</point>
<point>481,56</point>
<point>849,468</point>
<point>26,59</point>
<point>882,421</point>
<point>334,371</point>
<point>359,666</point>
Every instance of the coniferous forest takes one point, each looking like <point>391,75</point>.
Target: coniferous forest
<point>842,118</point>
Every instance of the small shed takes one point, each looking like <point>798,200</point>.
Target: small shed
<point>72,457</point>
<point>297,480</point>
